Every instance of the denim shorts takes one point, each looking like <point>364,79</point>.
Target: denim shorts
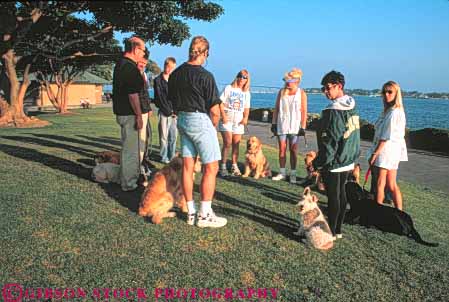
<point>292,138</point>
<point>198,137</point>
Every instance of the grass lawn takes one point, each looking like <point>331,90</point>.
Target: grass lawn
<point>59,229</point>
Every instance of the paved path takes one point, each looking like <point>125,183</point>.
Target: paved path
<point>423,168</point>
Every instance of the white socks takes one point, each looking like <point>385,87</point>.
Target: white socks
<point>223,166</point>
<point>293,173</point>
<point>191,207</point>
<point>282,171</point>
<point>206,208</point>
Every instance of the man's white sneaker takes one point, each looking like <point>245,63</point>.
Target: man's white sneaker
<point>211,221</point>
<point>191,218</point>
<point>293,179</point>
<point>278,177</point>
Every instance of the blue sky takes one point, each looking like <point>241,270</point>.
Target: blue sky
<point>370,42</point>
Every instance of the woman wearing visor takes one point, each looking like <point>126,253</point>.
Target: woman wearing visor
<point>234,112</point>
<point>289,121</point>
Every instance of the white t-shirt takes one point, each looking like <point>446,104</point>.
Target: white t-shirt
<point>391,128</point>
<point>235,101</point>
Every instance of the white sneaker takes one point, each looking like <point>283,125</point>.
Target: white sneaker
<point>278,177</point>
<point>293,179</point>
<point>191,218</point>
<point>211,221</point>
<point>235,171</point>
<point>223,173</point>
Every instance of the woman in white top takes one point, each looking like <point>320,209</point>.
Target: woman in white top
<point>389,144</point>
<point>289,121</point>
<point>234,109</point>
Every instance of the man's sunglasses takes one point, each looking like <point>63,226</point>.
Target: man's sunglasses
<point>327,88</point>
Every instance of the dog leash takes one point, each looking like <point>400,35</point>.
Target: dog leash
<point>305,139</point>
<point>149,149</point>
<point>139,166</point>
<point>368,172</point>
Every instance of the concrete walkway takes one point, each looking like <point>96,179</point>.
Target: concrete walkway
<point>423,168</point>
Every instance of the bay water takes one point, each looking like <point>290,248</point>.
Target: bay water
<point>420,113</point>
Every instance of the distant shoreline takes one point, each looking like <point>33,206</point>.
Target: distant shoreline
<point>365,95</point>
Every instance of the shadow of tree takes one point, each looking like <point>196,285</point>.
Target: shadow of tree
<point>279,223</point>
<point>51,144</point>
<point>129,200</point>
<point>92,142</point>
<point>103,139</point>
<point>48,160</point>
<point>268,191</point>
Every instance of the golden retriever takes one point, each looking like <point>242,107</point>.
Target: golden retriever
<point>164,190</point>
<point>256,162</point>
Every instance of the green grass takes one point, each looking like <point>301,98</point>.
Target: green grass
<point>60,229</point>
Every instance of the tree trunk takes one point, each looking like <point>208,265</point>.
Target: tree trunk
<point>13,114</point>
<point>52,97</point>
<point>64,99</point>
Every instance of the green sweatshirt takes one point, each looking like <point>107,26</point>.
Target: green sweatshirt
<point>338,135</point>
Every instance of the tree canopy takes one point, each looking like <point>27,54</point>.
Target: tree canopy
<point>56,39</point>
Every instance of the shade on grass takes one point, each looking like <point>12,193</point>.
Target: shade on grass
<point>60,229</point>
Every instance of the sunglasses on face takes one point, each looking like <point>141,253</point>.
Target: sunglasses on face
<point>240,76</point>
<point>327,88</point>
<point>388,92</point>
<point>291,81</point>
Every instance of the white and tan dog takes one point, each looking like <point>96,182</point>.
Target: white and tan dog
<point>313,224</point>
<point>106,173</point>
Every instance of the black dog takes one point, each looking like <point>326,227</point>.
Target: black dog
<point>367,212</point>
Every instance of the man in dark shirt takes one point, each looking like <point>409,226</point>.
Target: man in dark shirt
<point>126,87</point>
<point>194,94</point>
<point>167,118</point>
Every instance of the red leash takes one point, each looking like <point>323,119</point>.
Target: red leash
<point>368,172</point>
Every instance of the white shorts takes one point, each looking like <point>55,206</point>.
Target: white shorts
<point>230,127</point>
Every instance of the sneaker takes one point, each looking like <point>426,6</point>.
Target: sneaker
<point>278,177</point>
<point>191,218</point>
<point>211,221</point>
<point>235,171</point>
<point>293,179</point>
<point>223,173</point>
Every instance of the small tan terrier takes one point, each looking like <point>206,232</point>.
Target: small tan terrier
<point>313,224</point>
